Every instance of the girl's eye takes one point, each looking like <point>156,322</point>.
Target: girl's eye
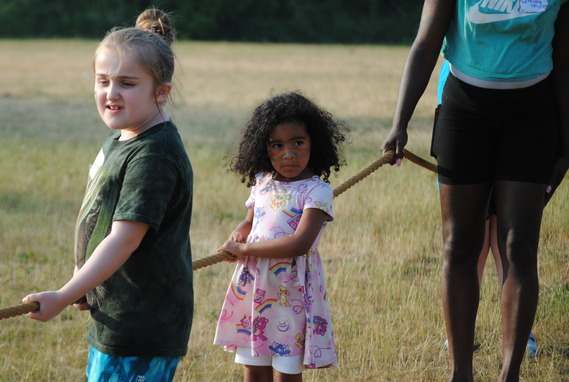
<point>127,84</point>
<point>275,146</point>
<point>298,143</point>
<point>103,82</point>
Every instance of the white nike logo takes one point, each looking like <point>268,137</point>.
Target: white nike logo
<point>478,17</point>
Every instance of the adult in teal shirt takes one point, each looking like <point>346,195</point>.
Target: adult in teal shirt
<point>506,94</point>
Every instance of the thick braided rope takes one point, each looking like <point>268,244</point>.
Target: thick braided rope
<point>19,309</point>
<point>385,158</point>
<point>224,256</point>
<point>420,161</point>
<point>210,260</point>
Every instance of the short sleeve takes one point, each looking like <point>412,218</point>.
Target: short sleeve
<point>320,196</point>
<point>147,188</point>
<point>260,179</point>
<point>250,202</point>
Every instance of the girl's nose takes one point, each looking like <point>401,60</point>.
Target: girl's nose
<point>289,155</point>
<point>112,93</point>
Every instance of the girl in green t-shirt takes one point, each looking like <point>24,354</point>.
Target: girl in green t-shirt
<point>132,250</point>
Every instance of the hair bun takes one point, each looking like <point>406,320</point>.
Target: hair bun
<point>156,21</point>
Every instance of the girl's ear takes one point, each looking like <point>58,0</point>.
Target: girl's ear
<point>162,92</point>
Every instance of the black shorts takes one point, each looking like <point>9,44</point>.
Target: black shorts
<point>483,135</point>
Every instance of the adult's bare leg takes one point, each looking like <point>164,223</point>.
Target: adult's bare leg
<point>463,210</point>
<point>519,208</point>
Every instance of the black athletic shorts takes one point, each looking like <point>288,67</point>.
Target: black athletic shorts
<point>483,135</point>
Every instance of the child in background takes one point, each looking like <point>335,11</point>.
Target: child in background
<point>491,237</point>
<point>276,315</point>
<point>132,250</point>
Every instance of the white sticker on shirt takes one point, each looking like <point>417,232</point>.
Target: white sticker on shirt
<point>533,6</point>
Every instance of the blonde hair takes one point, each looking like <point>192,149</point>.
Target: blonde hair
<point>157,21</point>
<point>149,43</point>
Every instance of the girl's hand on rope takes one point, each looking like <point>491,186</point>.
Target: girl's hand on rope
<point>234,248</point>
<point>395,141</point>
<point>232,244</point>
<point>51,304</point>
<point>236,236</point>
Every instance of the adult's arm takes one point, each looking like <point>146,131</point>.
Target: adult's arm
<point>423,55</point>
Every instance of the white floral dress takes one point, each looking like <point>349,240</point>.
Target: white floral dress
<point>279,306</point>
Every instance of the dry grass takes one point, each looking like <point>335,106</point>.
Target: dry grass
<point>382,254</point>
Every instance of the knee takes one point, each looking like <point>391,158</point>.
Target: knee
<point>461,250</point>
<point>521,251</point>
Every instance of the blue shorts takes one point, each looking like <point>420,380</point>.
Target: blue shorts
<point>102,367</point>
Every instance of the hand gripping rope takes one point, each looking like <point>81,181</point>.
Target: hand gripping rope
<point>385,158</point>
<point>223,256</point>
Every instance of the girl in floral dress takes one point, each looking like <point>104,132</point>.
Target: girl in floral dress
<point>275,315</point>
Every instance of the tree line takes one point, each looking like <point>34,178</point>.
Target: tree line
<point>281,21</point>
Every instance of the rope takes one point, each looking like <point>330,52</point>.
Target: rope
<point>210,260</point>
<point>224,256</point>
<point>420,161</point>
<point>385,158</point>
<point>19,309</point>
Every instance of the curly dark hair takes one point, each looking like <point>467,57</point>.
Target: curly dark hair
<point>326,135</point>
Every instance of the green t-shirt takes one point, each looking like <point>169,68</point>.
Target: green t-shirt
<point>145,309</point>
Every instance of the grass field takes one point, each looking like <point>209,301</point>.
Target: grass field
<point>382,253</point>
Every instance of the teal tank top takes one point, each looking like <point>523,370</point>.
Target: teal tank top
<point>502,40</point>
